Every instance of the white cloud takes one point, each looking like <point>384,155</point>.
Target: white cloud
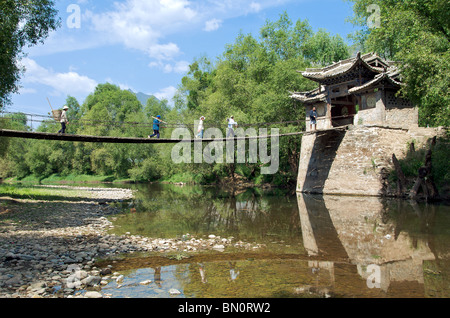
<point>255,7</point>
<point>179,67</point>
<point>69,83</point>
<point>165,93</point>
<point>142,25</point>
<point>27,90</point>
<point>164,51</point>
<point>212,25</point>
<point>235,8</point>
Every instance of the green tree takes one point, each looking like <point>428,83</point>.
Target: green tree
<point>107,109</point>
<point>283,40</point>
<point>110,111</point>
<point>417,34</point>
<point>12,152</point>
<point>252,80</point>
<point>324,49</point>
<point>156,107</point>
<point>73,114</point>
<point>197,81</point>
<point>22,23</point>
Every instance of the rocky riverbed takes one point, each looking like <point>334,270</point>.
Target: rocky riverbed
<point>50,249</point>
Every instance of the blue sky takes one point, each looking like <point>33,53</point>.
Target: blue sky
<point>147,45</point>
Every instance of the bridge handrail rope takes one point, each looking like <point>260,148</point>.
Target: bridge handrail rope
<point>137,124</point>
<point>166,125</point>
<point>89,122</point>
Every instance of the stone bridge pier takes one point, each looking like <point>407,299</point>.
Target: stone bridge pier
<point>355,160</point>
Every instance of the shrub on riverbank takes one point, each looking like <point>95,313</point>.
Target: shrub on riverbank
<point>415,159</point>
<point>56,178</point>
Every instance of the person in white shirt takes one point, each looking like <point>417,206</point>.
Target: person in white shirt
<point>201,128</point>
<point>231,123</point>
<point>63,120</point>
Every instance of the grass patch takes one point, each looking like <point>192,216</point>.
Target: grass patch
<point>188,177</point>
<point>55,178</point>
<point>77,179</point>
<point>28,192</point>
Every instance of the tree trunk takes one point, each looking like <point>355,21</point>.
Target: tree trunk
<point>425,179</point>
<point>401,179</point>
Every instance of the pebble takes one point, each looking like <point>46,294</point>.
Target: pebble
<point>56,257</point>
<point>93,294</point>
<point>174,291</point>
<point>145,282</point>
<point>119,279</point>
<point>219,247</point>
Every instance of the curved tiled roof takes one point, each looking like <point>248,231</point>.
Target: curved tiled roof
<point>382,71</point>
<point>308,98</point>
<point>345,66</point>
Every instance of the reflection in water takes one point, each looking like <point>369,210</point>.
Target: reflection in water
<point>169,211</point>
<point>233,273</point>
<point>202,273</point>
<point>157,276</point>
<point>323,246</point>
<point>388,241</point>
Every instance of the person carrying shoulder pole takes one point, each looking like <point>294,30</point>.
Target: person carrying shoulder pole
<point>156,122</point>
<point>64,121</point>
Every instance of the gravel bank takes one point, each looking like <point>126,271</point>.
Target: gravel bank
<point>49,249</point>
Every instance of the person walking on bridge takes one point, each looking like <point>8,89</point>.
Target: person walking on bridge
<point>231,124</point>
<point>63,120</point>
<point>156,122</point>
<point>201,128</point>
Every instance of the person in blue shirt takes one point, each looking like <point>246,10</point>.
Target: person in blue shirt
<point>156,123</point>
<point>313,119</point>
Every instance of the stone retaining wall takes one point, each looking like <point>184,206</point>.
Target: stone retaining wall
<point>356,161</point>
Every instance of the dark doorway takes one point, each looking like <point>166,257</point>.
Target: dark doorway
<point>343,110</point>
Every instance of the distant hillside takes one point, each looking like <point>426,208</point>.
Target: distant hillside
<point>143,97</point>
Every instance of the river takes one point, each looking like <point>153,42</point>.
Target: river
<point>308,246</point>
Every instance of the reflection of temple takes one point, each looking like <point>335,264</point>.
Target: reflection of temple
<point>350,234</point>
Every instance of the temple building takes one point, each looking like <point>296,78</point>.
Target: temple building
<point>359,91</point>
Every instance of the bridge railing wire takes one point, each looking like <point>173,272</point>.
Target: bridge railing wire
<point>34,118</point>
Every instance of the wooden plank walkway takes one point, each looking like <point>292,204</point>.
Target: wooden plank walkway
<point>121,140</point>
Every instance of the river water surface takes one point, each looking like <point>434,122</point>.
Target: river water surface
<point>308,246</point>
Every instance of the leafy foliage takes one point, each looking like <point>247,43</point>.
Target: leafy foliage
<point>250,80</point>
<point>22,23</point>
<point>416,33</point>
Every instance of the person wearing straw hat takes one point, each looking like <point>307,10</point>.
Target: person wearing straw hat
<point>201,128</point>
<point>64,121</point>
